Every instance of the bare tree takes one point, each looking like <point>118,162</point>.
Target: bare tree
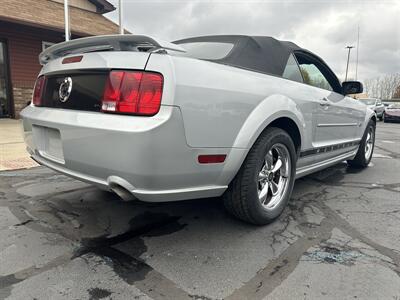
<point>383,87</point>
<point>397,93</point>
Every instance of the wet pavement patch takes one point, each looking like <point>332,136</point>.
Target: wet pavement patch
<point>128,268</point>
<point>278,267</point>
<point>98,293</point>
<point>139,225</point>
<point>127,265</point>
<point>8,280</point>
<point>331,254</point>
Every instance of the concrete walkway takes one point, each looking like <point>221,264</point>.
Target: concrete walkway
<point>13,154</point>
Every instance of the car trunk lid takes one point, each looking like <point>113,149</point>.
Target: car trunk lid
<point>88,77</point>
<point>86,64</point>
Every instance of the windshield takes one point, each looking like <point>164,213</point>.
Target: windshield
<point>207,50</point>
<point>368,101</point>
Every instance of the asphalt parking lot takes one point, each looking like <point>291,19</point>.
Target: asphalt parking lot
<point>338,239</point>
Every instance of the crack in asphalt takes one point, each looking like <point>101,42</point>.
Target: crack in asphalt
<point>137,272</point>
<point>280,268</point>
<point>132,270</point>
<point>392,153</point>
<point>348,229</point>
<point>7,281</point>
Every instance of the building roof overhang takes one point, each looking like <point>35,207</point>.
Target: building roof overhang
<point>50,15</point>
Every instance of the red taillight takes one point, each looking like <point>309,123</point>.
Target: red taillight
<point>38,91</point>
<point>133,92</point>
<point>211,158</point>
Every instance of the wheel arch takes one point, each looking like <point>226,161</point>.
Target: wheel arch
<point>290,127</point>
<point>288,119</point>
<point>279,111</point>
<point>371,116</point>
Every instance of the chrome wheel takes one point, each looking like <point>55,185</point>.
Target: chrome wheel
<point>274,176</point>
<point>369,143</point>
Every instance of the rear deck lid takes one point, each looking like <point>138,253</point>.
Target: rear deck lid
<point>83,66</point>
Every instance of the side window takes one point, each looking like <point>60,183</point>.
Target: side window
<point>312,73</point>
<point>292,71</point>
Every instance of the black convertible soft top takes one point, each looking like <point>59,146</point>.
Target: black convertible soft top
<point>260,53</point>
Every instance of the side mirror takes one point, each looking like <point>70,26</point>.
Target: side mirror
<point>352,87</point>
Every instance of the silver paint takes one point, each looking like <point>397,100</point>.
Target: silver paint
<point>207,108</point>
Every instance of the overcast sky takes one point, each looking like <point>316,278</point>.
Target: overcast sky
<point>324,27</point>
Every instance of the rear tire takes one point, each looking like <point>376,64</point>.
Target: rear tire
<point>263,186</point>
<point>366,148</point>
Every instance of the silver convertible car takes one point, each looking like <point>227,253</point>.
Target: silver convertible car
<point>234,116</point>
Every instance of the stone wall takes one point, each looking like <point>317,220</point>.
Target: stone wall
<point>22,95</point>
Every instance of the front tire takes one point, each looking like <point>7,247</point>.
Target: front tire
<point>263,186</point>
<point>366,148</point>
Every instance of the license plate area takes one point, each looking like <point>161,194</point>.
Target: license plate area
<point>48,143</point>
<point>86,93</point>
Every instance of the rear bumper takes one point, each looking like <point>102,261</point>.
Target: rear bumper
<point>147,156</point>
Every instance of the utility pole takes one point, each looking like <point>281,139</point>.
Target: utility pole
<point>66,20</point>
<point>348,58</point>
<point>358,47</point>
<point>121,20</point>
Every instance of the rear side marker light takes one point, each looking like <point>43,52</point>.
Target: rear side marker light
<point>38,91</point>
<point>211,158</point>
<point>133,92</point>
<point>72,59</point>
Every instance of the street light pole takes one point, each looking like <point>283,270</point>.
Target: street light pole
<point>66,20</point>
<point>348,58</point>
<point>121,20</point>
<point>358,47</point>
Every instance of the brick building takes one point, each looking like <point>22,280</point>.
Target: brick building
<point>26,28</point>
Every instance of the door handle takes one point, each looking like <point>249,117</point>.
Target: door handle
<point>325,102</point>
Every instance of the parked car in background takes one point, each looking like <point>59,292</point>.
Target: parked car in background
<point>392,113</point>
<point>235,116</point>
<point>376,105</point>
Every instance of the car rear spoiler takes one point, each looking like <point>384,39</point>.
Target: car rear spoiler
<point>126,42</point>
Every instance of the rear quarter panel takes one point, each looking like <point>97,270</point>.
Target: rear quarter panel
<point>224,106</point>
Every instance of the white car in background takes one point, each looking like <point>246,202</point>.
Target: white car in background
<point>235,116</point>
<point>376,105</point>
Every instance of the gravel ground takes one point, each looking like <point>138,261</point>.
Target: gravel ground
<point>338,239</point>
